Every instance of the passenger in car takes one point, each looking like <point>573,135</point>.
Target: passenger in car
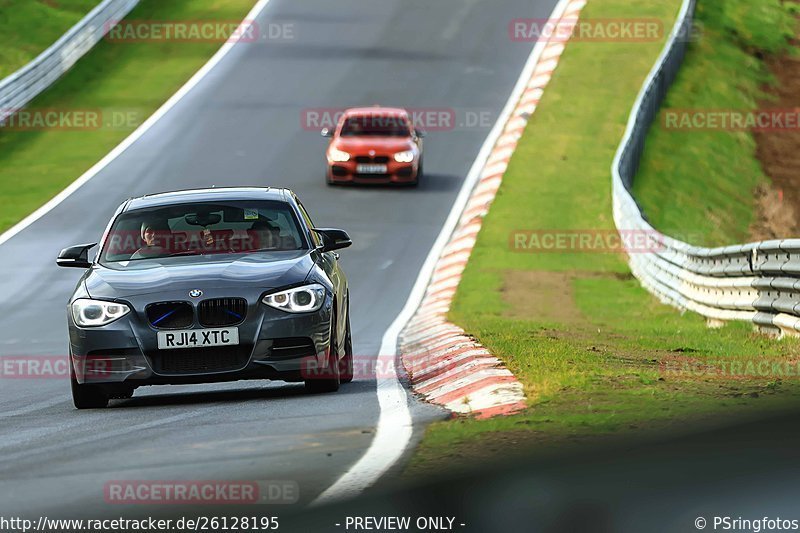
<point>265,235</point>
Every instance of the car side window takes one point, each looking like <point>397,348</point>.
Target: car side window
<point>312,235</point>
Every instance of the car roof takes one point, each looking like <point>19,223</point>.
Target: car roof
<point>376,110</point>
<point>210,194</point>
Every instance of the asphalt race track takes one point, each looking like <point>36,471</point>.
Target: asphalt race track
<point>243,125</point>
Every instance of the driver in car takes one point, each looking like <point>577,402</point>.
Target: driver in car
<point>152,247</point>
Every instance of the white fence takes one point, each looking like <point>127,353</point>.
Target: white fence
<point>757,282</point>
<point>18,89</point>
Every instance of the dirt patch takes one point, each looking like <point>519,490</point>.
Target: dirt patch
<point>779,154</point>
<point>541,295</point>
<point>546,296</point>
<point>775,216</point>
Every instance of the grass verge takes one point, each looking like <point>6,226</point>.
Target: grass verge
<point>701,184</point>
<point>599,357</point>
<point>126,80</point>
<point>28,27</point>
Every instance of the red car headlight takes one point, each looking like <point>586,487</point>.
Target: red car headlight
<point>338,156</point>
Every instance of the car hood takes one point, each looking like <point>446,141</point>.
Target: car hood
<point>362,144</point>
<point>264,271</point>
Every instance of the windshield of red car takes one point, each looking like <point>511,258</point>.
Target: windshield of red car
<point>376,126</point>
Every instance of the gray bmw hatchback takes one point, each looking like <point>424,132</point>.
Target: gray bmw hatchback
<point>208,285</point>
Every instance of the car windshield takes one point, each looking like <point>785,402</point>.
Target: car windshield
<point>239,227</point>
<point>376,126</point>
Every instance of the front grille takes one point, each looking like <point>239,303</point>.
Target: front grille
<point>170,315</point>
<point>222,311</point>
<point>291,347</point>
<point>200,360</point>
<point>379,159</point>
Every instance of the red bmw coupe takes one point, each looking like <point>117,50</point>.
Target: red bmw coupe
<point>374,145</point>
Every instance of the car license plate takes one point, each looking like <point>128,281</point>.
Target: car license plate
<point>198,338</point>
<point>371,169</point>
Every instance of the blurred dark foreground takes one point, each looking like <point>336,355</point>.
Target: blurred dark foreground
<point>745,472</point>
<point>743,477</point>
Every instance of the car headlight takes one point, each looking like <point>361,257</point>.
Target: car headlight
<point>303,299</point>
<point>90,313</point>
<point>338,155</point>
<point>404,157</point>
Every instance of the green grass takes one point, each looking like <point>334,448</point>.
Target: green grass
<point>700,184</point>
<point>588,343</point>
<point>135,77</point>
<point>28,27</point>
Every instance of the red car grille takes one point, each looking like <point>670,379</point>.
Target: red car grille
<point>379,159</point>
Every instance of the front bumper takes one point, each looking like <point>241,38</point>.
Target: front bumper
<point>126,352</point>
<point>395,173</point>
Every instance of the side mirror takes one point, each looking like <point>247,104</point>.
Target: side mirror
<point>326,132</point>
<point>420,133</point>
<point>333,239</point>
<point>75,256</point>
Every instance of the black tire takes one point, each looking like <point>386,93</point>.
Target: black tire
<point>416,179</point>
<point>329,179</point>
<point>87,396</point>
<point>330,379</point>
<point>346,363</point>
<point>121,394</point>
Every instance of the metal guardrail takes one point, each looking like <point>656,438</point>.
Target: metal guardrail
<point>19,88</point>
<point>757,282</point>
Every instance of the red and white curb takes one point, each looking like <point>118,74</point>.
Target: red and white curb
<point>445,365</point>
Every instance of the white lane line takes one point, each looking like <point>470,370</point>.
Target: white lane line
<point>133,137</point>
<point>394,428</point>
